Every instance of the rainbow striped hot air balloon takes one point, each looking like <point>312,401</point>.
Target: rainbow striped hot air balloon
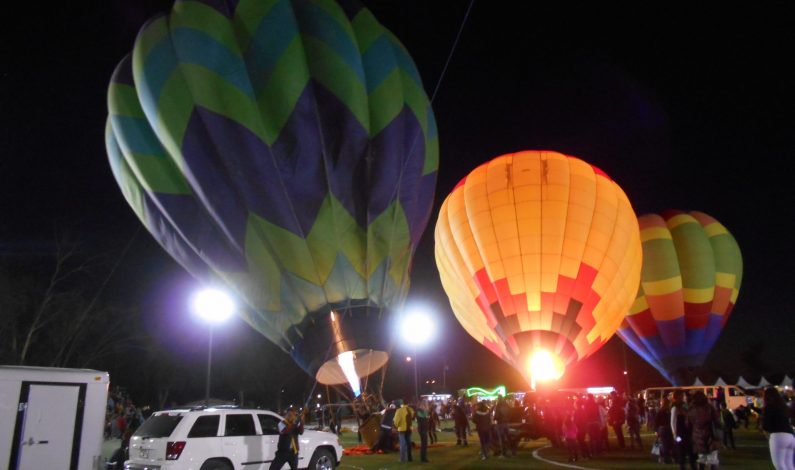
<point>540,256</point>
<point>287,148</point>
<point>692,270</point>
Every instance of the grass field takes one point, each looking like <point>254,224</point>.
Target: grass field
<point>751,453</point>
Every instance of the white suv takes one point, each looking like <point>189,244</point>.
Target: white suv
<point>222,439</point>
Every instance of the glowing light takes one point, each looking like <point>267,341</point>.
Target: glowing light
<point>213,305</point>
<point>345,361</point>
<point>484,394</point>
<point>408,358</point>
<point>600,390</point>
<point>545,366</point>
<point>416,327</point>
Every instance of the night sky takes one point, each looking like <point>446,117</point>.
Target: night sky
<point>685,108</point>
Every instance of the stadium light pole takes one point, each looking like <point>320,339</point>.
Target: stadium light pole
<point>214,307</point>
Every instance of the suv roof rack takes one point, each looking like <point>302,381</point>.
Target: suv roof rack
<point>206,407</point>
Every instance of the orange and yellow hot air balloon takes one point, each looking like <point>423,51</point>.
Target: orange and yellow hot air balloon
<point>540,255</point>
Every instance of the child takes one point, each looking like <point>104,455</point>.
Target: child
<point>570,436</point>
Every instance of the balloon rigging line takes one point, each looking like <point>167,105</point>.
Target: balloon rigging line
<point>452,50</point>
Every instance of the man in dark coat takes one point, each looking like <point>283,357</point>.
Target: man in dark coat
<point>287,447</point>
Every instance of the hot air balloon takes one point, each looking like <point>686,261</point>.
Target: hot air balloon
<point>692,269</point>
<point>288,149</point>
<point>539,253</point>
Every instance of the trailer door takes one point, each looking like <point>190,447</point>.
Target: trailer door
<point>49,422</point>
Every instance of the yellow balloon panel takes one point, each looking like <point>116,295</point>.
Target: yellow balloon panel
<point>539,250</point>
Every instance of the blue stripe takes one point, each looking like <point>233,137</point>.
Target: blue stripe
<point>274,34</point>
<point>404,61</point>
<point>196,47</point>
<point>136,135</point>
<point>432,131</point>
<point>192,47</point>
<point>315,22</point>
<point>379,62</point>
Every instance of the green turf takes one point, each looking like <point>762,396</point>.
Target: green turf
<point>751,453</point>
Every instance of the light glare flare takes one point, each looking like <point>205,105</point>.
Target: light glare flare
<point>213,305</point>
<point>545,366</point>
<point>417,328</point>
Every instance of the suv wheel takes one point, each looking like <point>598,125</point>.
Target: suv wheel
<point>216,465</point>
<point>322,459</point>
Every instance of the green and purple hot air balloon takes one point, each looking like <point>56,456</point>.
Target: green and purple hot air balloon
<point>287,148</point>
<point>690,280</point>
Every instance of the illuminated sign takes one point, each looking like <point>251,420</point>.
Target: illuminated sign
<point>600,390</point>
<point>486,394</point>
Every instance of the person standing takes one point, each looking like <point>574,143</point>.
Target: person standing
<point>703,418</point>
<point>662,425</point>
<point>434,424</point>
<point>581,420</point>
<point>729,423</point>
<point>776,423</point>
<point>403,418</point>
<point>287,446</point>
<point>461,424</point>
<point>616,417</point>
<point>502,417</point>
<point>482,420</point>
<point>680,429</point>
<point>633,423</point>
<point>385,443</point>
<point>570,437</point>
<point>423,424</point>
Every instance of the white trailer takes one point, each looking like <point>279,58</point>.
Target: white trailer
<point>52,418</point>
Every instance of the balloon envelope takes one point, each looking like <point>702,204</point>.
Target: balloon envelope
<point>692,270</point>
<point>288,149</point>
<point>539,254</point>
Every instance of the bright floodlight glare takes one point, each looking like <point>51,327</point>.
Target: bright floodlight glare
<point>417,328</point>
<point>545,366</point>
<point>213,305</point>
<point>345,361</point>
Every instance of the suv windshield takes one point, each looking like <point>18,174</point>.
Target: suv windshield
<point>158,426</point>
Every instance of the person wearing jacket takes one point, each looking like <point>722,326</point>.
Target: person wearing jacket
<point>461,424</point>
<point>385,443</point>
<point>287,447</point>
<point>776,424</point>
<point>403,418</point>
<point>423,425</point>
<point>702,419</point>
<point>662,424</point>
<point>680,429</point>
<point>502,418</point>
<point>482,420</point>
<point>729,423</point>
<point>616,417</point>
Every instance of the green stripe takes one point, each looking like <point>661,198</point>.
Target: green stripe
<point>385,103</point>
<point>728,258</point>
<point>333,73</point>
<point>367,29</point>
<point>209,90</point>
<point>123,101</point>
<point>659,260</point>
<point>208,20</point>
<point>696,260</point>
<point>149,37</point>
<point>248,16</point>
<point>276,101</point>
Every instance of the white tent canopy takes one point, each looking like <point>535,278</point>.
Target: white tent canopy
<point>698,383</point>
<point>786,381</point>
<point>720,382</point>
<point>744,383</point>
<point>763,383</point>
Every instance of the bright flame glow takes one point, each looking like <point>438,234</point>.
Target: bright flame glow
<point>545,366</point>
<point>417,327</point>
<point>345,361</point>
<point>213,305</point>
